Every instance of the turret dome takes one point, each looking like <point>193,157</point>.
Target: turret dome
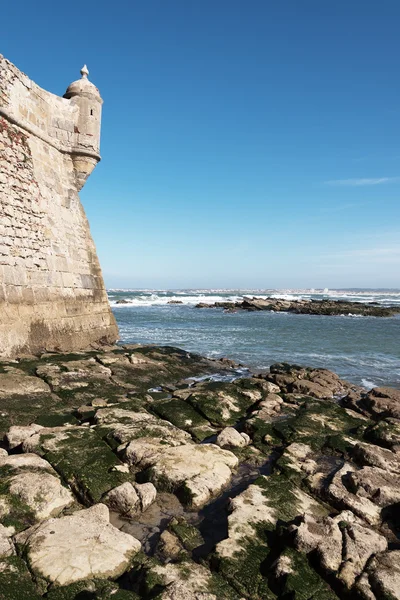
<point>82,87</point>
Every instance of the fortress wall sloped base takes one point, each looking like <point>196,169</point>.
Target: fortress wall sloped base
<point>52,295</point>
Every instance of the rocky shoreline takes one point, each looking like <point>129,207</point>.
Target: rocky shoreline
<point>150,472</point>
<point>306,307</point>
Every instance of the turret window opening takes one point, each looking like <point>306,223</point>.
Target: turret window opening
<point>91,112</point>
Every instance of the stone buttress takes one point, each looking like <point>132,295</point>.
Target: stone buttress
<point>52,294</point>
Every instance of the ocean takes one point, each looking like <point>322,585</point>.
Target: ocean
<point>363,350</point>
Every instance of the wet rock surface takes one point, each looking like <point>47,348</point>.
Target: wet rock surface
<point>139,473</point>
<point>306,307</point>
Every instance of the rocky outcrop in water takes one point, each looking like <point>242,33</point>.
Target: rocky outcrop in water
<point>124,477</point>
<point>307,307</point>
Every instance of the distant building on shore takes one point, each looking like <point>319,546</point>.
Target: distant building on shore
<point>52,294</point>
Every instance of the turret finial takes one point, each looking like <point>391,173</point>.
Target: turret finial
<point>84,72</point>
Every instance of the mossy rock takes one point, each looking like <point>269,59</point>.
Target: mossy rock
<point>385,433</point>
<point>91,590</point>
<point>263,434</point>
<point>315,421</point>
<point>163,365</point>
<point>189,536</point>
<point>20,515</point>
<point>224,403</point>
<point>244,571</point>
<point>24,410</point>
<point>303,583</point>
<point>86,462</point>
<point>57,419</point>
<point>156,583</point>
<point>179,413</point>
<point>15,580</point>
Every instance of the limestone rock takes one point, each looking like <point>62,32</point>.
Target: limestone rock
<point>123,499</point>
<point>17,434</point>
<point>197,472</point>
<point>6,544</point>
<point>83,545</point>
<point>247,509</point>
<point>180,583</point>
<point>384,402</point>
<point>126,425</point>
<point>42,492</point>
<point>384,575</point>
<point>73,374</point>
<point>33,487</point>
<point>375,456</point>
<point>169,546</point>
<point>380,486</point>
<point>16,382</point>
<point>343,544</point>
<point>340,492</point>
<point>147,494</point>
<point>231,437</point>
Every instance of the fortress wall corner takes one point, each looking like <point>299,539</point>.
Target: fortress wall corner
<point>52,294</point>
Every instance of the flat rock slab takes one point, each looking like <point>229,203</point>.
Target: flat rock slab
<point>15,580</point>
<point>225,403</point>
<point>30,490</point>
<point>195,472</point>
<point>121,425</point>
<point>83,459</point>
<point>16,382</point>
<point>80,546</point>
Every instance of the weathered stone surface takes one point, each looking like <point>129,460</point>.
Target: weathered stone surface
<point>85,461</point>
<point>15,580</point>
<point>384,402</point>
<point>53,295</point>
<point>380,486</point>
<point>123,425</point>
<point>188,581</point>
<point>340,493</point>
<point>80,546</point>
<point>6,544</point>
<point>196,472</point>
<point>30,490</point>
<point>123,499</point>
<point>384,575</point>
<point>343,544</point>
<point>230,437</point>
<point>73,374</point>
<point>16,382</point>
<point>225,403</point>
<point>147,494</point>
<point>17,434</point>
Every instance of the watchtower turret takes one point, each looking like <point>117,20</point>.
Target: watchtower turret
<point>86,148</point>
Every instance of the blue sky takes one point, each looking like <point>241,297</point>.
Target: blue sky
<point>244,144</point>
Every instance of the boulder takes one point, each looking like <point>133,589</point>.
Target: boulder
<point>32,491</point>
<point>342,543</point>
<point>83,545</point>
<point>384,575</point>
<point>230,437</point>
<point>130,499</point>
<point>375,456</point>
<point>73,374</point>
<point>384,402</point>
<point>17,434</point>
<point>195,472</point>
<point>340,492</point>
<point>380,486</point>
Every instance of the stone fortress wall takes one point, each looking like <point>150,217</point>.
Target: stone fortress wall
<point>52,294</point>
